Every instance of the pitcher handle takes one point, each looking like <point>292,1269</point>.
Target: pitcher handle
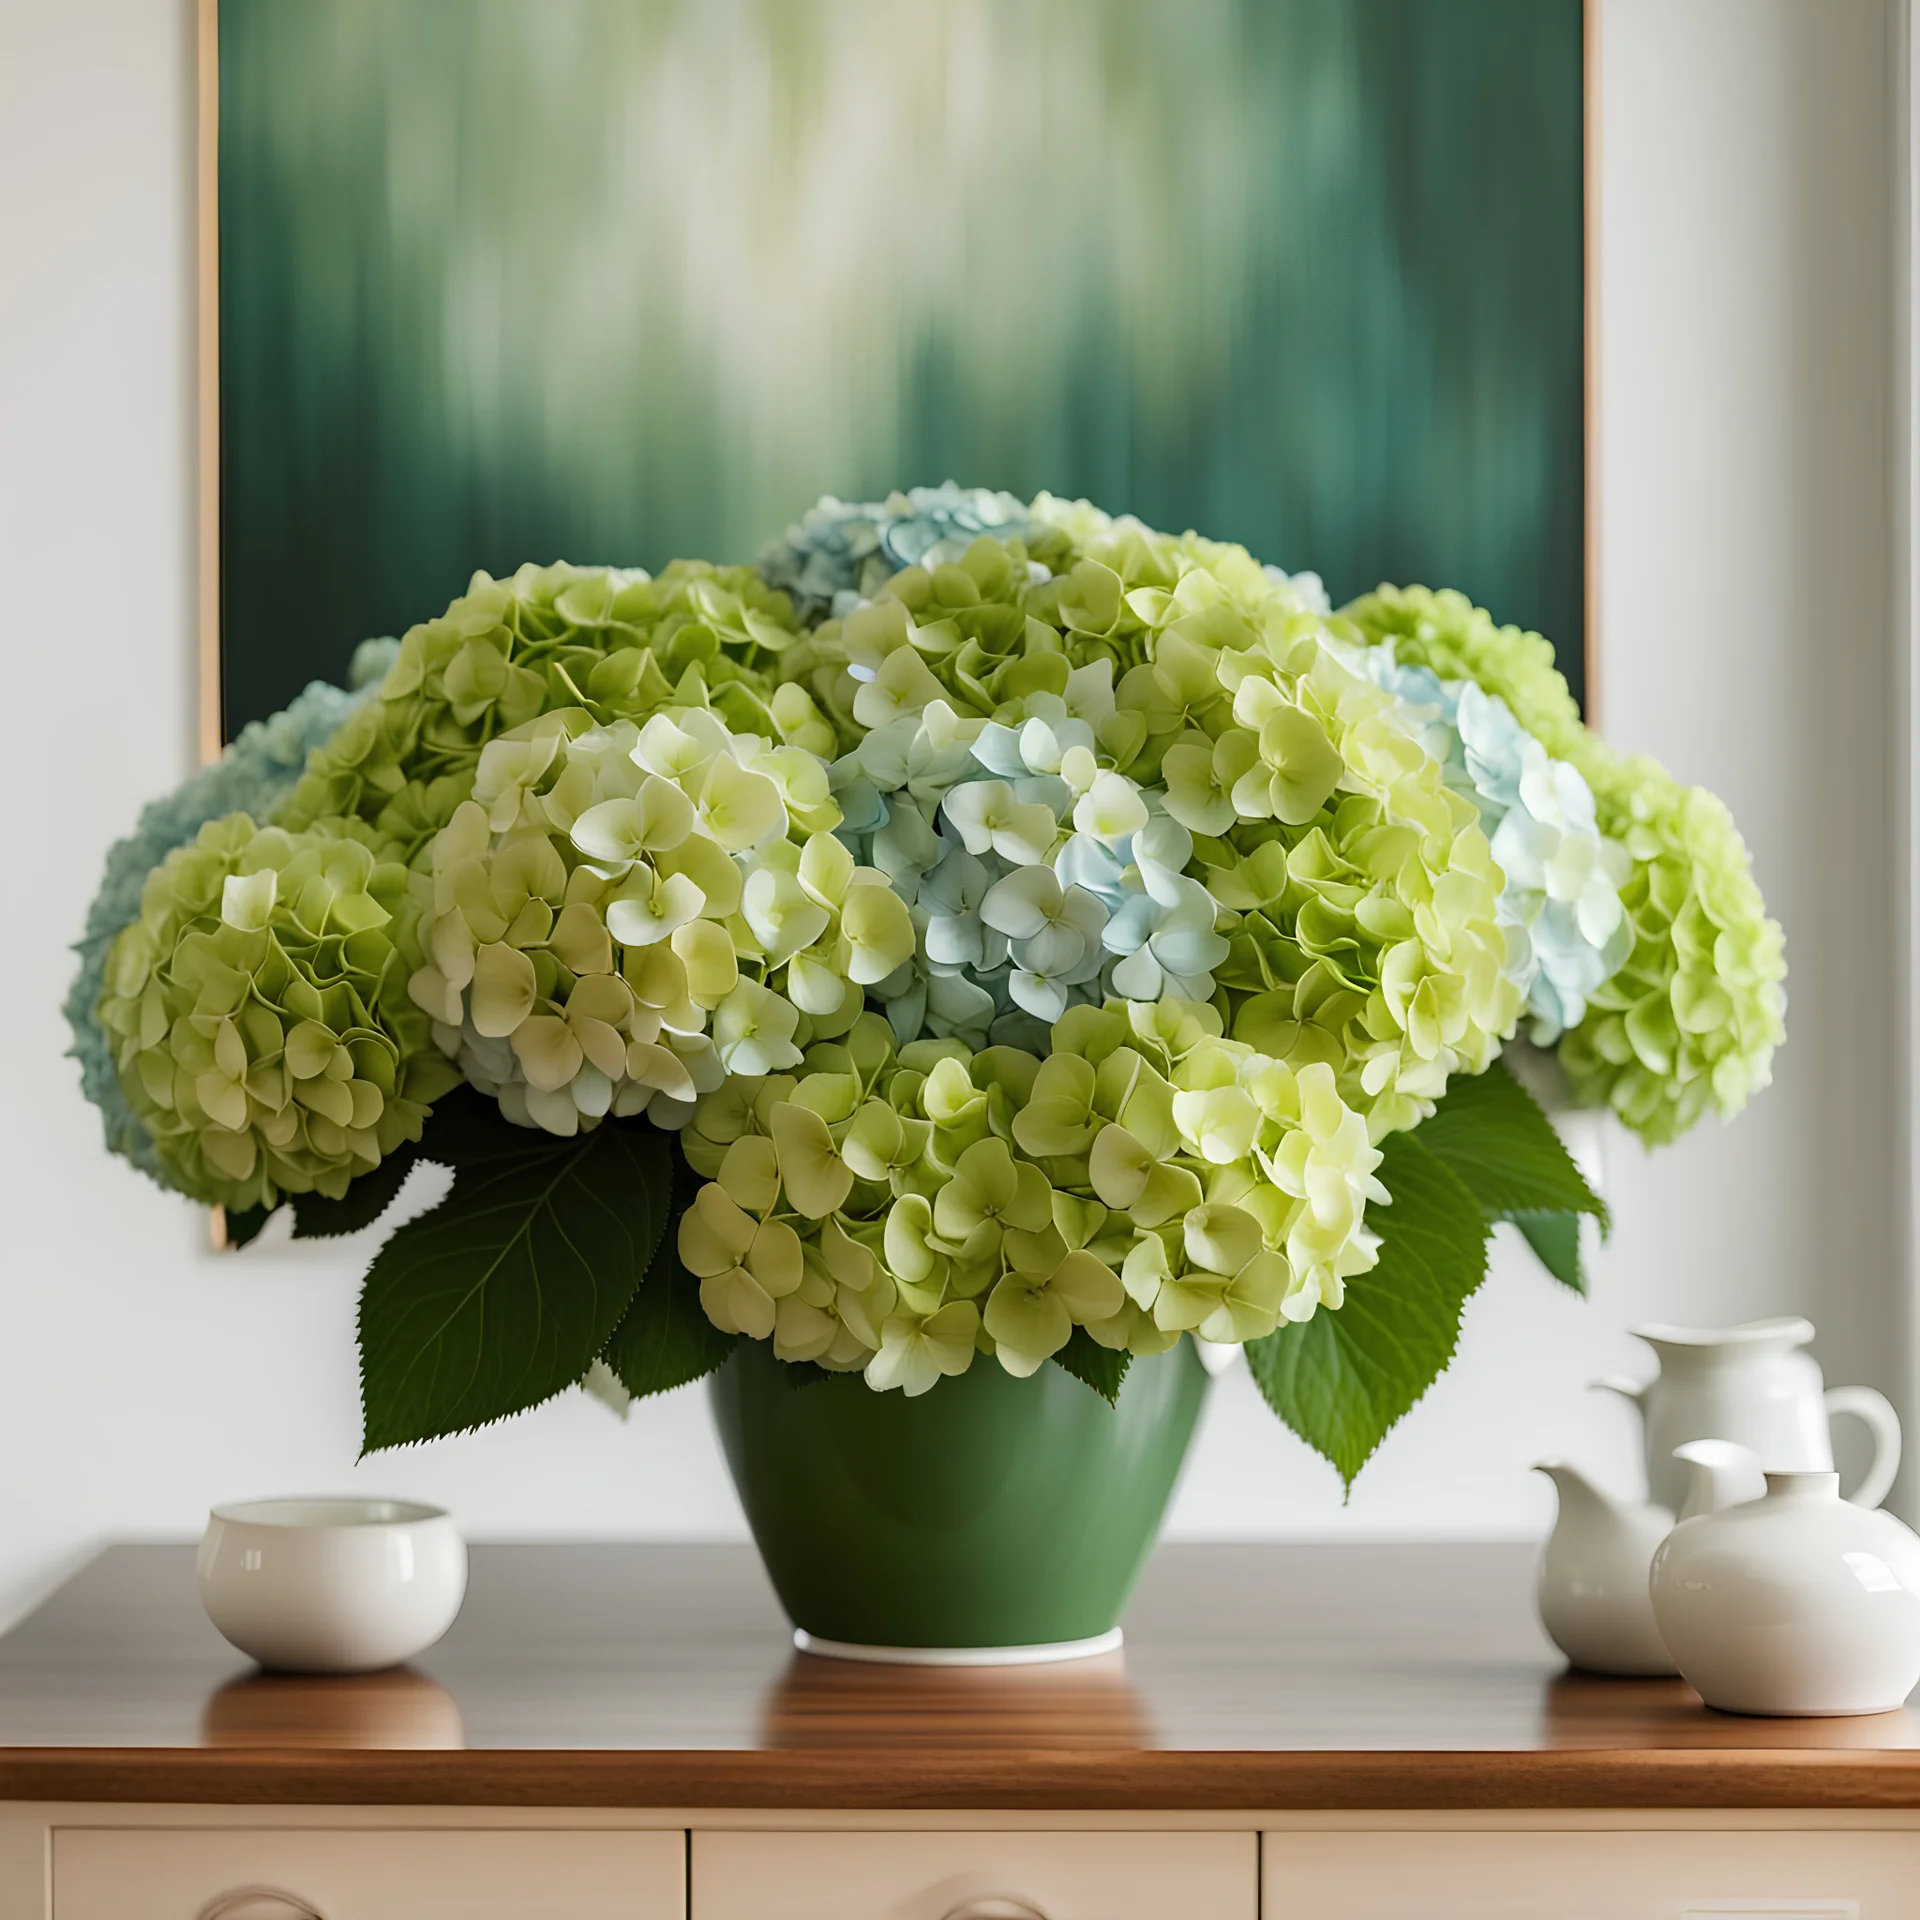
<point>1876,1412</point>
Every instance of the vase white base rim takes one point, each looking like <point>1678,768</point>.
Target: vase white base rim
<point>1028,1656</point>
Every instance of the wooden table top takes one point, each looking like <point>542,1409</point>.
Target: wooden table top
<point>1262,1677</point>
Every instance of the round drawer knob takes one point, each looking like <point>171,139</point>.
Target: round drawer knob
<point>260,1903</point>
<point>995,1906</point>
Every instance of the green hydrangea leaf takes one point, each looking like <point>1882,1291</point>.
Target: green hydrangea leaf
<point>1555,1238</point>
<point>1101,1368</point>
<point>664,1339</point>
<point>243,1224</point>
<point>1343,1379</point>
<point>315,1217</point>
<point>1492,1134</point>
<point>501,1296</point>
<point>796,1374</point>
<point>468,1132</point>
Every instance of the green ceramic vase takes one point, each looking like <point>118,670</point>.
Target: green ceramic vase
<point>988,1513</point>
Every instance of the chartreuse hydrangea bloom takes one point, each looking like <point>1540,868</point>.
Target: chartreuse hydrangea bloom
<point>1257,818</point>
<point>259,1013</point>
<point>898,1209</point>
<point>252,776</point>
<point>1691,1019</point>
<point>616,643</point>
<point>620,916</point>
<point>1367,936</point>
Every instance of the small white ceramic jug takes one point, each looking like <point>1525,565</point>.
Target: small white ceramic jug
<point>1591,1589</point>
<point>1752,1384</point>
<point>1796,1603</point>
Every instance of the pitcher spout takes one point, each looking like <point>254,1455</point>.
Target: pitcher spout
<point>1721,1473</point>
<point>1584,1505</point>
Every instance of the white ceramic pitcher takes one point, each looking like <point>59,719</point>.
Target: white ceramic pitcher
<point>1591,1588</point>
<point>1592,1585</point>
<point>1752,1384</point>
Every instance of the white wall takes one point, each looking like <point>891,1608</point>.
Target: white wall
<point>1743,306</point>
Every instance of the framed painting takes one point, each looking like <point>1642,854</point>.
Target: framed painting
<point>613,280</point>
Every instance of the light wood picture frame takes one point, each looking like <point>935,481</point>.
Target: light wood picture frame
<point>215,723</point>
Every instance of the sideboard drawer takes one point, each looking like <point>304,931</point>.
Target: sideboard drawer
<point>133,1873</point>
<point>975,1876</point>
<point>1664,1875</point>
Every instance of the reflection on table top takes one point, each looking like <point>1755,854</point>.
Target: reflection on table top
<point>1270,1676</point>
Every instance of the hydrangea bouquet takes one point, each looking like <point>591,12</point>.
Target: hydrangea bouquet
<point>984,933</point>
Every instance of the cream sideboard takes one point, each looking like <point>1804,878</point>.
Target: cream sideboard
<point>1366,1733</point>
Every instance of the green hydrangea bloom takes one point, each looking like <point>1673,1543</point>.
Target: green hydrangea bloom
<point>621,916</point>
<point>1693,1018</point>
<point>897,1210</point>
<point>259,1016</point>
<point>1367,897</point>
<point>1446,633</point>
<point>1358,893</point>
<point>968,625</point>
<point>253,776</point>
<point>619,644</point>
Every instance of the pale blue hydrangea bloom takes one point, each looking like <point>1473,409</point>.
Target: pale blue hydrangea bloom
<point>1038,879</point>
<point>254,774</point>
<point>840,552</point>
<point>1308,588</point>
<point>1567,932</point>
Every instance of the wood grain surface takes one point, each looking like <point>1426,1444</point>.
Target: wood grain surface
<point>1309,1677</point>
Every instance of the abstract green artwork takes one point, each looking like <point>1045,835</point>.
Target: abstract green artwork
<point>615,280</point>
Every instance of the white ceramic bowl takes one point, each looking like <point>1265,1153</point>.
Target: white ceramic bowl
<point>340,1585</point>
